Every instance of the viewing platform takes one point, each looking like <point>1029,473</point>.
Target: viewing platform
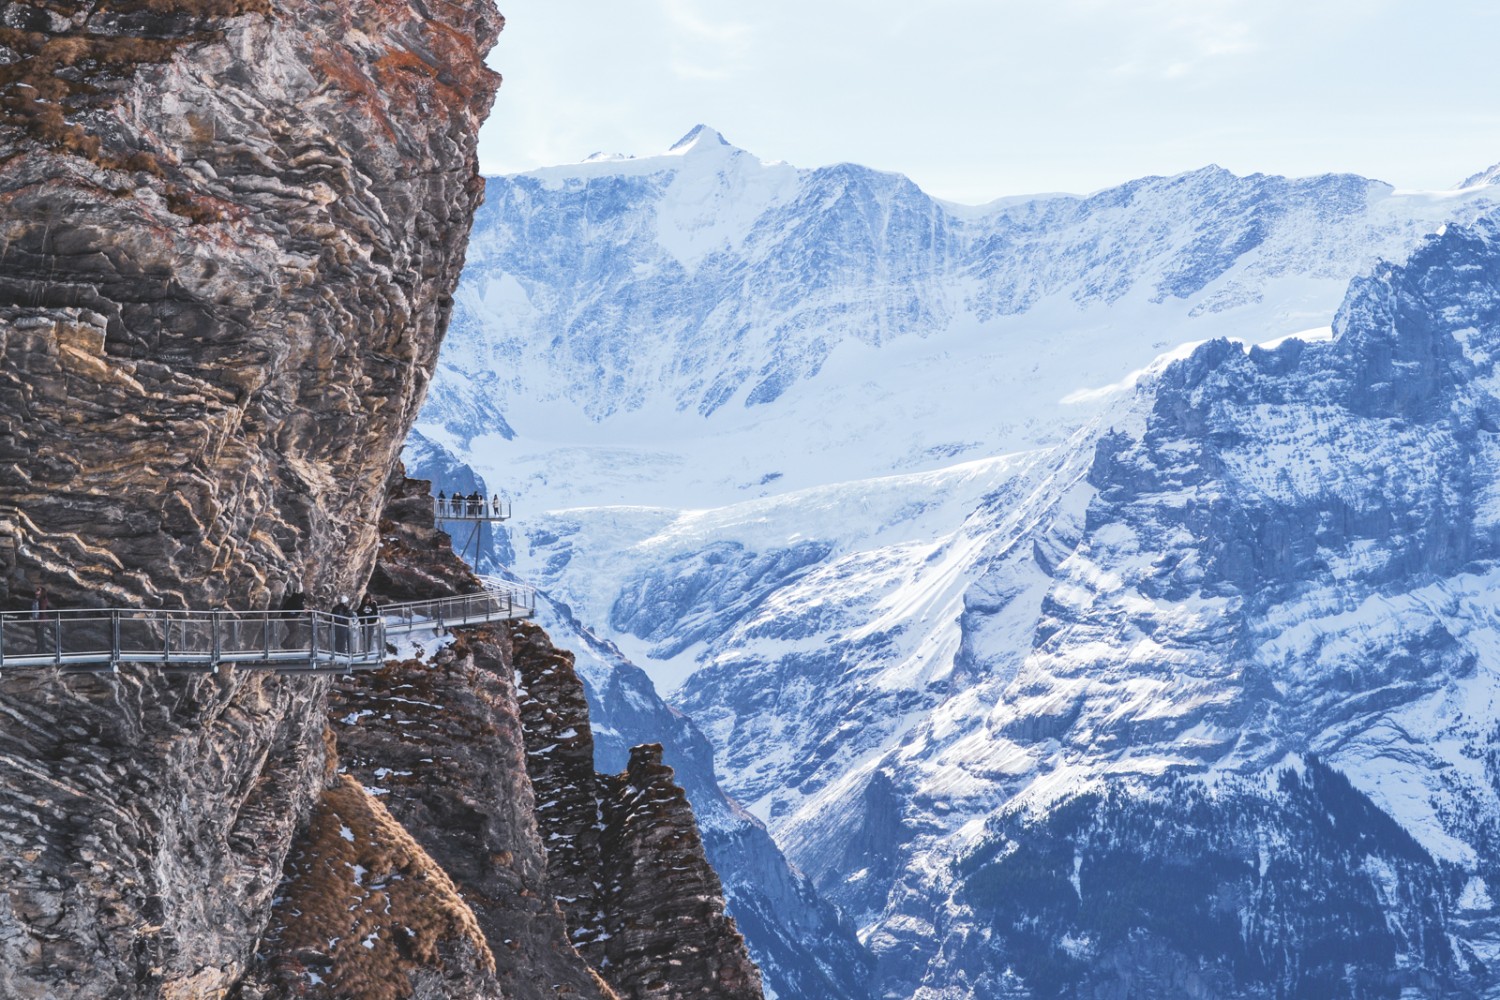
<point>203,641</point>
<point>470,508</point>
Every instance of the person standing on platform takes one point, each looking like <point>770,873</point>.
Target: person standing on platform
<point>40,605</point>
<point>293,606</point>
<point>342,614</point>
<point>369,616</point>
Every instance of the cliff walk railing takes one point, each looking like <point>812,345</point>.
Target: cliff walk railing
<point>203,641</point>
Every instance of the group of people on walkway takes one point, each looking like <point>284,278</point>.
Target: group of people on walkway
<point>472,505</point>
<point>348,623</point>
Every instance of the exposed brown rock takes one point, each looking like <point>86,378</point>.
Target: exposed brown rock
<point>416,561</point>
<point>669,938</point>
<point>143,822</point>
<point>199,407</point>
<point>560,760</point>
<point>484,771</point>
<point>365,912</point>
<point>229,233</point>
<point>440,745</point>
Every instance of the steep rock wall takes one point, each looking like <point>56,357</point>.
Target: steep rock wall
<point>229,232</point>
<point>223,282</point>
<point>625,856</point>
<point>668,935</point>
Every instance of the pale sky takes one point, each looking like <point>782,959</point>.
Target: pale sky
<point>979,99</point>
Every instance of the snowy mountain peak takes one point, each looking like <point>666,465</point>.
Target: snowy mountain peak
<point>699,139</point>
<point>1485,178</point>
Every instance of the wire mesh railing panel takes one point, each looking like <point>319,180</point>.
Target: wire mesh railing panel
<point>496,603</point>
<point>311,640</point>
<point>83,636</point>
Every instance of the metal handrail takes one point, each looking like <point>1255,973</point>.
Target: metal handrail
<point>285,641</point>
<point>315,641</point>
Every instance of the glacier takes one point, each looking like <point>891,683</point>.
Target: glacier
<point>1019,564</point>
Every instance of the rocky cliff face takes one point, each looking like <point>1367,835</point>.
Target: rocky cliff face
<point>229,232</point>
<point>663,904</point>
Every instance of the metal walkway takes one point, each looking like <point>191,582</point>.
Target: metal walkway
<point>498,602</point>
<point>203,641</point>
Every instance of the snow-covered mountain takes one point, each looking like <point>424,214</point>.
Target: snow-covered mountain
<point>628,325</point>
<point>1051,645</point>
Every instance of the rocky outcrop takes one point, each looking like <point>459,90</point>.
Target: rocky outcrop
<point>624,853</point>
<point>484,754</point>
<point>669,938</point>
<point>560,761</point>
<point>229,233</point>
<point>416,561</point>
<point>231,229</point>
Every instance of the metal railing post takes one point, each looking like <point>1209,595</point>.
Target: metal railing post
<point>57,635</point>
<point>312,649</point>
<point>213,633</point>
<point>114,641</point>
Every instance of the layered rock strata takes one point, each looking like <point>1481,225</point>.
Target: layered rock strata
<point>143,823</point>
<point>229,232</point>
<point>416,560</point>
<point>669,938</point>
<point>560,762</point>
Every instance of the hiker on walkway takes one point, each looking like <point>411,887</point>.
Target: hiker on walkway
<point>40,605</point>
<point>442,504</point>
<point>342,614</point>
<point>369,617</point>
<point>293,605</point>
<point>495,505</point>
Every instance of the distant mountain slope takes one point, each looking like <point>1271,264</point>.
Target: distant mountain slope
<point>1292,554</point>
<point>911,504</point>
